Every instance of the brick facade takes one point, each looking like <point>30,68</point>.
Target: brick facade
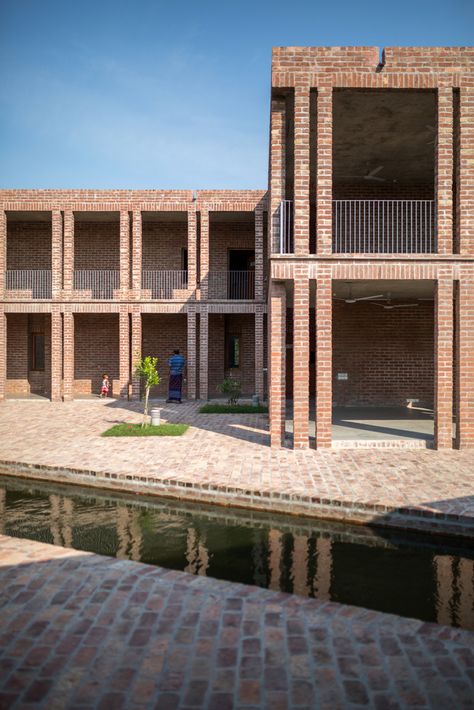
<point>391,355</point>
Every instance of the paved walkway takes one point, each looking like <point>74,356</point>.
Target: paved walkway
<point>80,631</point>
<point>226,459</point>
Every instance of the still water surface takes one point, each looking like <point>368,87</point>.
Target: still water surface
<point>417,576</point>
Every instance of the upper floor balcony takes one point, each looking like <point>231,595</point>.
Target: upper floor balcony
<point>372,227</point>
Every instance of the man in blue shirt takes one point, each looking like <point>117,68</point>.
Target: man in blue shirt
<point>176,364</point>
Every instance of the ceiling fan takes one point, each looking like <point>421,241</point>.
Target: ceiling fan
<point>355,299</point>
<point>390,306</point>
<point>370,175</point>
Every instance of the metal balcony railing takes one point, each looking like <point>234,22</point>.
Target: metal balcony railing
<point>38,281</point>
<point>372,227</point>
<point>232,285</point>
<point>384,227</point>
<point>101,282</point>
<point>164,284</point>
<point>286,227</point>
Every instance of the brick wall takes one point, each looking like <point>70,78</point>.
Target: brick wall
<point>161,334</point>
<point>162,245</point>
<point>20,378</point>
<point>228,235</point>
<point>96,350</point>
<point>221,326</point>
<point>388,355</point>
<point>28,245</point>
<point>97,245</point>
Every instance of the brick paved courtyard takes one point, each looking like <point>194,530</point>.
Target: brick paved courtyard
<point>80,631</point>
<point>226,459</point>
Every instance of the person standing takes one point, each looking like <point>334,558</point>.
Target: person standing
<point>176,364</point>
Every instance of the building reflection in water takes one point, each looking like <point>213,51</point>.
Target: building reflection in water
<point>417,581</point>
<point>454,590</point>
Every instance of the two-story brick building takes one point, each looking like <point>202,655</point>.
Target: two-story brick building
<point>362,249</point>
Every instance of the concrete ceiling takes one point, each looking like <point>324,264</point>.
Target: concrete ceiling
<point>97,216</point>
<point>245,217</point>
<point>390,128</point>
<point>164,216</point>
<point>397,289</point>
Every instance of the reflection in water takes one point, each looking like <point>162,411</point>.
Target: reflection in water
<point>411,576</point>
<point>455,590</point>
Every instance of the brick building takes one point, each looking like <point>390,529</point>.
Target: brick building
<point>361,250</point>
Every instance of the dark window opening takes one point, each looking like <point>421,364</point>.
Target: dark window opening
<point>184,265</point>
<point>233,351</point>
<point>37,352</point>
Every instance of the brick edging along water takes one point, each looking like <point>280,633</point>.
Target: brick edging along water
<point>354,512</point>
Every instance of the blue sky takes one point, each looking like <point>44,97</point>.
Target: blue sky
<point>153,94</point>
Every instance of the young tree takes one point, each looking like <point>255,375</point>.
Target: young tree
<point>146,370</point>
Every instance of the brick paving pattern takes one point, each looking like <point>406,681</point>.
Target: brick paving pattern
<point>226,458</point>
<point>81,631</point>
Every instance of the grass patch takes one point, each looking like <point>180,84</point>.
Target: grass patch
<point>147,430</point>
<point>233,409</point>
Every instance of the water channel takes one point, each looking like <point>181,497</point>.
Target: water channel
<point>428,578</point>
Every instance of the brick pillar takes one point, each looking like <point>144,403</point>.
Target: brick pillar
<point>204,275</point>
<point>323,362</point>
<point>137,237</point>
<point>136,353</point>
<point>56,254</point>
<point>192,250</point>
<point>3,353</point>
<point>466,179</point>
<point>203,354</point>
<point>324,171</point>
<point>191,358</point>
<point>444,171</point>
<point>56,354</point>
<point>68,255</point>
<point>277,359</point>
<point>465,364</point>
<point>301,361</point>
<point>124,254</point>
<point>301,188</point>
<point>259,259</point>
<point>259,354</point>
<point>124,352</point>
<point>444,334</point>
<point>277,172</point>
<point>3,251</point>
<point>68,356</point>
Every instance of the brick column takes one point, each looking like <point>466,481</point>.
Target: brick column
<point>124,352</point>
<point>204,275</point>
<point>323,362</point>
<point>68,356</point>
<point>137,237</point>
<point>192,250</point>
<point>444,334</point>
<point>136,349</point>
<point>56,354</point>
<point>3,353</point>
<point>277,360</point>
<point>124,254</point>
<point>203,354</point>
<point>56,254</point>
<point>68,254</point>
<point>277,172</point>
<point>465,202</point>
<point>444,171</point>
<point>191,355</point>
<point>301,361</point>
<point>259,259</point>
<point>324,171</point>
<point>465,364</point>
<point>3,251</point>
<point>259,354</point>
<point>301,173</point>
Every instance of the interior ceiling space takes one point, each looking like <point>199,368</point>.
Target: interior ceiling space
<point>395,129</point>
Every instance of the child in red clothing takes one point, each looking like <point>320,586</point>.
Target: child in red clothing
<point>104,392</point>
